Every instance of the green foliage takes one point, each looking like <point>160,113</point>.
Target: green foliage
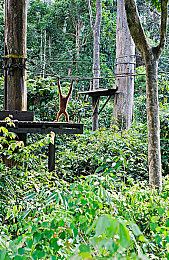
<point>104,215</point>
<point>104,151</point>
<point>97,203</point>
<point>69,39</point>
<point>43,98</point>
<point>156,4</point>
<point>164,118</point>
<point>96,217</point>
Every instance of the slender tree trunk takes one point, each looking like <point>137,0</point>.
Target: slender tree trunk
<point>125,69</point>
<point>96,44</point>
<point>77,44</point>
<point>151,56</point>
<point>153,122</point>
<point>44,55</point>
<point>15,55</point>
<point>41,50</point>
<point>96,58</point>
<point>50,48</point>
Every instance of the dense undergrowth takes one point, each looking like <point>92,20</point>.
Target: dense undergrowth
<point>103,214</point>
<point>97,203</point>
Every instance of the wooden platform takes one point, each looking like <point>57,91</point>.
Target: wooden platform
<point>99,92</point>
<point>25,125</point>
<point>43,127</point>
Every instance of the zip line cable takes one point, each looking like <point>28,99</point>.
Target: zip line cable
<point>81,77</point>
<point>87,78</point>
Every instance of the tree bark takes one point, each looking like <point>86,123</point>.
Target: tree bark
<point>153,122</point>
<point>15,55</point>
<point>96,58</point>
<point>151,56</point>
<point>125,69</point>
<point>50,48</point>
<point>15,89</point>
<point>44,55</point>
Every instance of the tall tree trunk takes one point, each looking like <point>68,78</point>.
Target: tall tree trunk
<point>78,27</point>
<point>41,50</point>
<point>153,122</point>
<point>15,55</point>
<point>151,56</point>
<point>125,69</point>
<point>96,58</point>
<point>15,89</point>
<point>44,55</point>
<point>50,48</point>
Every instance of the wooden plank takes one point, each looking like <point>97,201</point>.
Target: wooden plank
<point>17,115</point>
<point>99,92</point>
<point>44,127</point>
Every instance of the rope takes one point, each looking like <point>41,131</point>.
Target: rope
<point>14,56</point>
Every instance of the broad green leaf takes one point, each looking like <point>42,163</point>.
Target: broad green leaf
<point>38,254</point>
<point>167,238</point>
<point>84,249</point>
<point>21,251</point>
<point>124,236</point>
<point>48,233</point>
<point>108,244</point>
<point>54,244</point>
<point>37,236</point>
<point>135,229</point>
<point>160,211</point>
<point>113,228</point>
<point>153,226</point>
<point>158,239</point>
<point>102,224</point>
<point>29,243</point>
<point>167,222</point>
<point>155,218</point>
<point>102,168</point>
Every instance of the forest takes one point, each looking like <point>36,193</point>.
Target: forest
<point>96,186</point>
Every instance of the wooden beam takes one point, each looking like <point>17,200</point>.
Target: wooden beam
<point>99,92</point>
<point>43,127</point>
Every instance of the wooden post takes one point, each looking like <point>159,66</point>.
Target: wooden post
<point>15,92</point>
<point>51,157</point>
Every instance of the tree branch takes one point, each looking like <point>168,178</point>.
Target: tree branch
<point>91,14</point>
<point>163,28</point>
<point>135,27</point>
